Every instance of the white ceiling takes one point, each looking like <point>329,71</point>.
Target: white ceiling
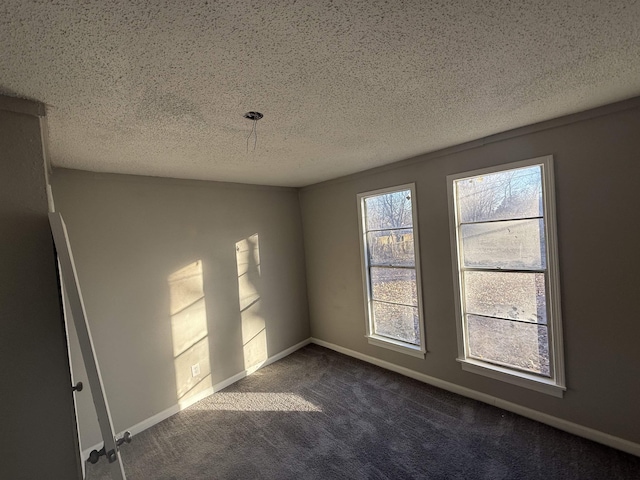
<point>159,87</point>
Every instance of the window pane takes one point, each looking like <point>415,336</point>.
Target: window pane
<point>516,244</point>
<point>396,321</point>
<point>501,195</point>
<point>397,285</point>
<point>391,247</point>
<point>517,296</point>
<point>389,210</point>
<point>520,345</point>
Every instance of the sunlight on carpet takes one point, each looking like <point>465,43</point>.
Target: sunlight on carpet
<point>256,402</point>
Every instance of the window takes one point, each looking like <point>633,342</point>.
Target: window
<point>506,274</point>
<point>391,272</point>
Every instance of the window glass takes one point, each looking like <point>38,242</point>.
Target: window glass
<point>390,210</point>
<point>524,346</point>
<point>508,295</point>
<point>501,195</point>
<point>396,285</point>
<point>397,322</point>
<point>391,247</point>
<point>516,244</point>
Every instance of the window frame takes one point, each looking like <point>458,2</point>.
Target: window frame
<point>373,338</point>
<point>555,384</point>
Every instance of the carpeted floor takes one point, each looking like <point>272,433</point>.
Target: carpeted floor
<point>317,414</point>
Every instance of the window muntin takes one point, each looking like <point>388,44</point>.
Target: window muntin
<point>503,233</point>
<point>390,269</point>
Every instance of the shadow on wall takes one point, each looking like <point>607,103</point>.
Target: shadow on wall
<point>189,330</point>
<point>254,334</point>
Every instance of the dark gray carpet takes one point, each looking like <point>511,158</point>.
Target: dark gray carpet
<point>318,414</point>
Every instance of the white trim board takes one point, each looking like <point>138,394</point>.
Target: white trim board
<point>163,415</point>
<point>574,428</point>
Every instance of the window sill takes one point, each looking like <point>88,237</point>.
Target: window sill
<point>521,379</point>
<point>395,345</point>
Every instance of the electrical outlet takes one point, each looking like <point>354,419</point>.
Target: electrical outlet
<point>195,370</point>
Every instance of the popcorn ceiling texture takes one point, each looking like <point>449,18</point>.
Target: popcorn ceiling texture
<point>159,88</point>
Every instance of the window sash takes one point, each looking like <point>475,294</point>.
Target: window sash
<point>465,314</point>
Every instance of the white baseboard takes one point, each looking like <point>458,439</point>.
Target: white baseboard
<point>574,428</point>
<point>163,415</point>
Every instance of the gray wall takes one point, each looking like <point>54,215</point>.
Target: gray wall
<point>598,208</point>
<point>132,238</point>
<point>39,438</point>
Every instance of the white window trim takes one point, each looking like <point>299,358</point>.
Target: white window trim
<point>379,340</point>
<point>555,385</point>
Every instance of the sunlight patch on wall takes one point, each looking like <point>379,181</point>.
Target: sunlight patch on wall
<point>189,330</point>
<point>254,335</point>
<point>257,402</point>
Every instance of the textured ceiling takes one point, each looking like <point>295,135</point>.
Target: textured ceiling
<point>159,88</point>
